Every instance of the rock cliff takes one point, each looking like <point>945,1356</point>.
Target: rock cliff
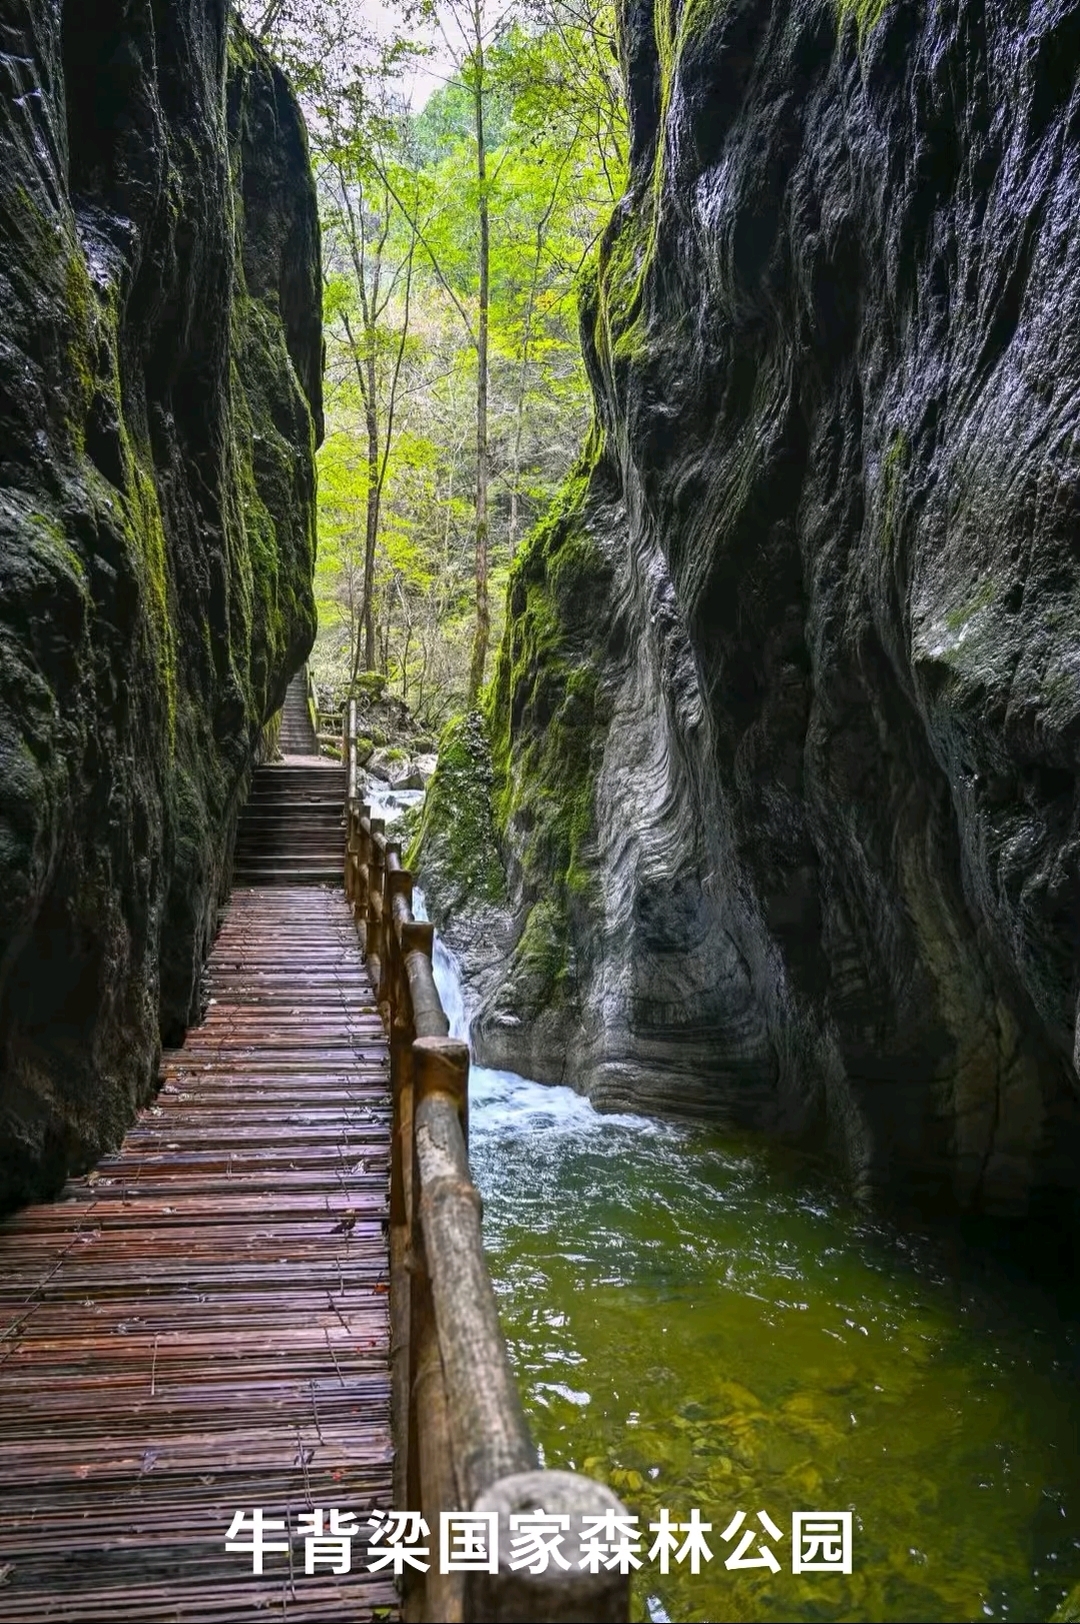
<point>160,360</point>
<point>786,722</point>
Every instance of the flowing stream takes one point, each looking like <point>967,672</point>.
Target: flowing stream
<point>704,1321</point>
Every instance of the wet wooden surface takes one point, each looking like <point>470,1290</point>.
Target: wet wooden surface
<point>201,1325</point>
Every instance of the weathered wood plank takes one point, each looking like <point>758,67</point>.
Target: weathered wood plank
<point>201,1324</point>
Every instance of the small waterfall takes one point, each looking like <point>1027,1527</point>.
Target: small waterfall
<point>447,976</point>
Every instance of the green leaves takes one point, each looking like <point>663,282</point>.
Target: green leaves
<point>401,193</point>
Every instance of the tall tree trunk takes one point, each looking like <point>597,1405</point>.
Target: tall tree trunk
<point>366,645</point>
<point>483,625</point>
<point>371,529</point>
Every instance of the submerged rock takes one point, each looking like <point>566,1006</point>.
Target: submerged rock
<point>786,719</point>
<point>160,362</point>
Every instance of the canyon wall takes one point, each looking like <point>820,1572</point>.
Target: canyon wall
<point>160,367</point>
<point>784,739</point>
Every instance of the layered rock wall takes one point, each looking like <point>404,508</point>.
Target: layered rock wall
<point>160,359</point>
<point>798,665</point>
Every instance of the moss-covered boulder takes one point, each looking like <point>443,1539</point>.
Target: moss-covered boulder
<point>160,361</point>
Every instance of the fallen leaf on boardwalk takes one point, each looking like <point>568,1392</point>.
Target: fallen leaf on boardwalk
<point>6,1571</point>
<point>380,1286</point>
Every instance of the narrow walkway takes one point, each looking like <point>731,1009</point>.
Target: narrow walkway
<point>297,734</point>
<point>200,1326</point>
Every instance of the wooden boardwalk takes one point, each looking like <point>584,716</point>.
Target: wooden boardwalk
<point>200,1326</point>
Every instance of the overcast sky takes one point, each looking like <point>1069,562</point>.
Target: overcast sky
<point>427,77</point>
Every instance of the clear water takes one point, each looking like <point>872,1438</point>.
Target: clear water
<point>704,1321</point>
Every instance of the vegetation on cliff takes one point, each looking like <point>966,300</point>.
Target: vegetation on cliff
<point>160,400</point>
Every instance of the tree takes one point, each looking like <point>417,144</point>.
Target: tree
<point>454,238</point>
<point>363,226</point>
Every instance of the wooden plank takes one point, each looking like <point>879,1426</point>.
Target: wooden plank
<point>200,1325</point>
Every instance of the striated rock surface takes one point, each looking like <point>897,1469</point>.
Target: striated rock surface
<point>160,357</point>
<point>786,723</point>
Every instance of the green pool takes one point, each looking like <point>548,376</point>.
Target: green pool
<point>705,1322</point>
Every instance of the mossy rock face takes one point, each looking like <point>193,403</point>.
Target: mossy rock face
<point>504,847</point>
<point>455,851</point>
<point>159,408</point>
<point>785,721</point>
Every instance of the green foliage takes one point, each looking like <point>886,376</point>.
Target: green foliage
<point>400,200</point>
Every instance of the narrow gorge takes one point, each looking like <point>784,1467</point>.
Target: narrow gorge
<point>717,1153</point>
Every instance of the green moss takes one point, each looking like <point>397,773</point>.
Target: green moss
<point>79,301</point>
<point>981,598</point>
<point>54,538</point>
<point>370,685</point>
<point>513,794</point>
<point>149,539</point>
<point>542,965</point>
<point>456,836</point>
<point>867,14</point>
<point>543,705</point>
<point>264,607</point>
<point>93,324</point>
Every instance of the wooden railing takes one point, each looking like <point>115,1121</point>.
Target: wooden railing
<point>462,1442</point>
<point>312,701</point>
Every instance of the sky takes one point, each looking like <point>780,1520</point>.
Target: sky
<point>426,77</point>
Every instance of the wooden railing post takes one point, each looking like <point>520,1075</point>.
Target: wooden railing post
<point>312,703</point>
<point>396,882</point>
<point>440,1071</point>
<point>360,873</point>
<point>402,1033</point>
<point>352,841</point>
<point>373,947</point>
<point>349,751</point>
<point>558,1596</point>
<point>461,1439</point>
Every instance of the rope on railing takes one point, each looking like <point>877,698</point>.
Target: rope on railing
<point>462,1441</point>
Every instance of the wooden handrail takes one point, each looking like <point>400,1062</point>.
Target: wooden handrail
<point>312,701</point>
<point>461,1438</point>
